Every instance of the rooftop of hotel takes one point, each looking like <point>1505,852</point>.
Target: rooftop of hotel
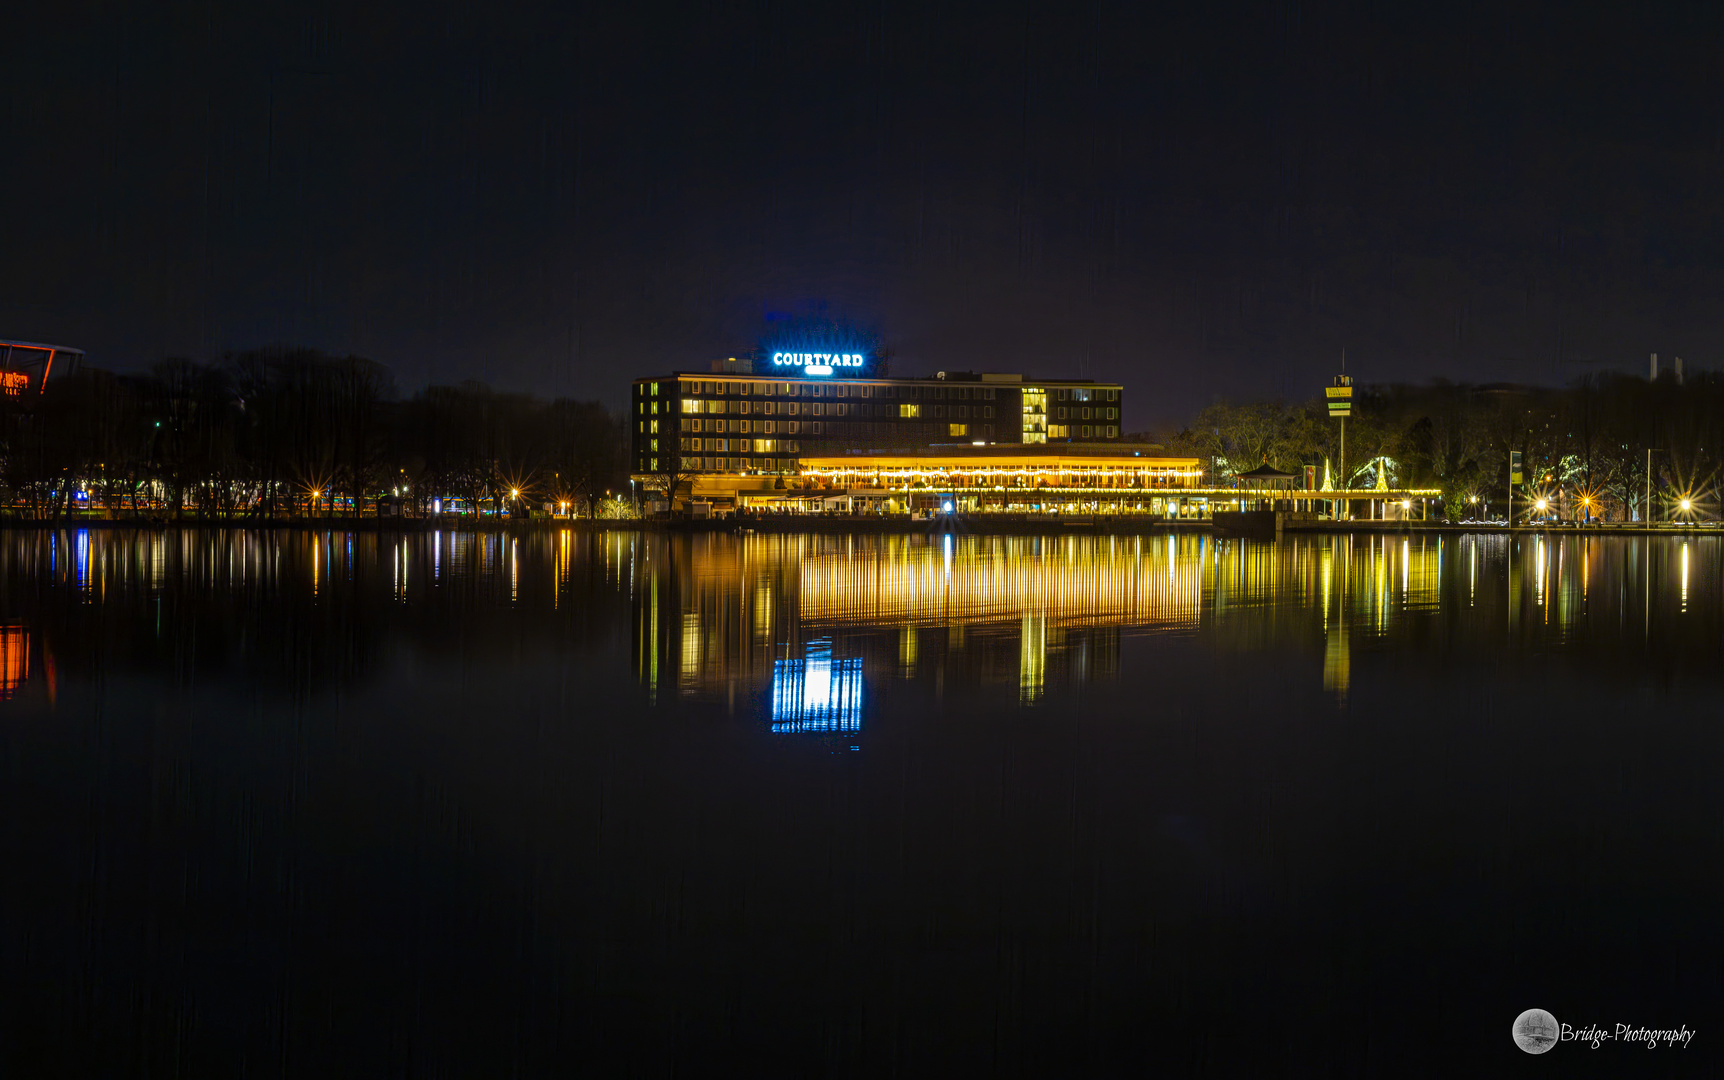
<point>999,378</point>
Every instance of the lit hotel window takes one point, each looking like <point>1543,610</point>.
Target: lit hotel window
<point>958,429</point>
<point>909,412</point>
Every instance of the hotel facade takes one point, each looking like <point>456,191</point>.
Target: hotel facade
<point>740,419</point>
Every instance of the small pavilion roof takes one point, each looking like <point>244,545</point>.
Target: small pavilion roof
<point>1266,475</point>
<point>1267,471</point>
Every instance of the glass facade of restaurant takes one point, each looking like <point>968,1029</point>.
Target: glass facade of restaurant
<point>731,423</point>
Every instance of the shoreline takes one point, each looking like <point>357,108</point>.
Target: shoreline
<point>976,525</point>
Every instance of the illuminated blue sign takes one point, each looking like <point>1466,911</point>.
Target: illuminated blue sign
<point>819,363</point>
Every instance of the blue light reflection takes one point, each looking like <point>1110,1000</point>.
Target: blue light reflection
<point>817,693</point>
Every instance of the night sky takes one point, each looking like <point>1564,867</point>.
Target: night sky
<point>1199,200</point>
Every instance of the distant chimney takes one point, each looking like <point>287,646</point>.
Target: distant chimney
<point>1654,375</point>
<point>1678,371</point>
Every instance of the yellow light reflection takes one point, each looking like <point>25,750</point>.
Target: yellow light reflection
<point>1337,661</point>
<point>1685,574</point>
<point>998,581</point>
<point>1032,658</point>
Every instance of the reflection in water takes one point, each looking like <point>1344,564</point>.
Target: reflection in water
<point>1337,661</point>
<point>1542,571</point>
<point>717,616</point>
<point>14,659</point>
<point>1032,665</point>
<point>898,582</point>
<point>311,788</point>
<point>819,692</point>
<point>907,608</point>
<point>1336,657</point>
<point>1039,613</point>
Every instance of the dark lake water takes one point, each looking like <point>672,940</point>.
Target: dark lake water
<point>328,804</point>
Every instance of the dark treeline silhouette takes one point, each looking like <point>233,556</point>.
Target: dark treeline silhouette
<point>296,433</point>
<point>1585,445</point>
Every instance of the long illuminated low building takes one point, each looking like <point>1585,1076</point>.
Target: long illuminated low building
<point>969,477</point>
<point>1071,479</point>
<point>997,468</point>
<point>1074,478</point>
<point>1006,478</point>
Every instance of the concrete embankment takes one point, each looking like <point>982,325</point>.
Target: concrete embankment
<point>1694,528</point>
<point>895,525</point>
<point>859,524</point>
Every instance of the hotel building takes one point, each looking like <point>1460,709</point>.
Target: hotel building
<point>802,432</point>
<point>761,418</point>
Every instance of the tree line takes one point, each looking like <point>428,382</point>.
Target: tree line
<point>296,433</point>
<point>1584,446</point>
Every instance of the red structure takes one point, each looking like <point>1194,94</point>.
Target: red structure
<point>26,365</point>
